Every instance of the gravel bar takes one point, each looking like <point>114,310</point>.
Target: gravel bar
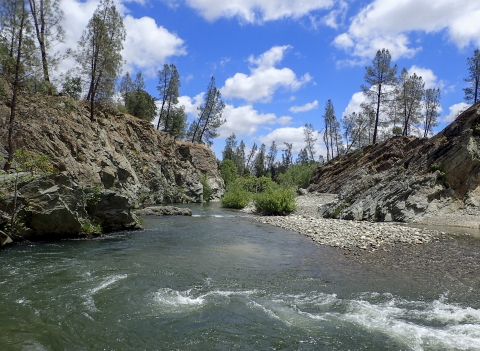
<point>345,234</point>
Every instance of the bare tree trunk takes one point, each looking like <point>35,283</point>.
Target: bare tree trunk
<point>16,83</point>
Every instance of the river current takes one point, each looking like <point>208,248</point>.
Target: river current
<point>218,281</point>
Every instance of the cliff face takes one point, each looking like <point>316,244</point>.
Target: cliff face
<point>405,178</point>
<point>119,151</point>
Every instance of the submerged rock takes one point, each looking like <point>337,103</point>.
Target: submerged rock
<point>164,211</point>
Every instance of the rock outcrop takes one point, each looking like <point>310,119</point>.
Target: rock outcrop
<point>118,160</point>
<point>164,211</point>
<point>118,151</point>
<point>404,178</point>
<point>54,207</point>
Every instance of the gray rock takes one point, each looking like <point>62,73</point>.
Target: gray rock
<point>164,211</point>
<point>113,211</point>
<point>4,239</point>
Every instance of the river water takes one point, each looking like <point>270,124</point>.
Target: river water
<point>218,281</point>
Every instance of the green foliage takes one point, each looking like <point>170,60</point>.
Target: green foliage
<point>476,129</point>
<point>297,175</point>
<point>236,198</point>
<point>435,167</point>
<point>29,161</point>
<point>340,209</point>
<point>94,195</point>
<point>397,131</point>
<point>280,201</point>
<point>90,228</point>
<point>243,189</point>
<point>228,170</point>
<point>141,104</point>
<point>70,105</point>
<point>207,189</point>
<point>73,87</point>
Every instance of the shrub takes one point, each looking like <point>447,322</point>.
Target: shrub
<point>207,189</point>
<point>279,201</point>
<point>228,170</point>
<point>297,175</point>
<point>236,198</point>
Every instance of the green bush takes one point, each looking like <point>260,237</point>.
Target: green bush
<point>236,198</point>
<point>228,170</point>
<point>280,201</point>
<point>207,189</point>
<point>297,175</point>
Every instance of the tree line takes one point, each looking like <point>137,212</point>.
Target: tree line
<point>29,33</point>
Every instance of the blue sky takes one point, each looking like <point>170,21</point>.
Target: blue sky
<point>277,62</point>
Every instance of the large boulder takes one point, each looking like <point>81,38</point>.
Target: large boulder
<point>113,211</point>
<point>54,207</point>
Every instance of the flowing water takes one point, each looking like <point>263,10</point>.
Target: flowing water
<point>218,281</point>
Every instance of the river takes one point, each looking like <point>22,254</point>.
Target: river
<point>218,281</point>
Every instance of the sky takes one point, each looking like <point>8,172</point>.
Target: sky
<point>277,62</point>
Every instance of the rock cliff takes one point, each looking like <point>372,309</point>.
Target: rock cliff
<point>119,151</point>
<point>405,178</point>
<point>119,160</point>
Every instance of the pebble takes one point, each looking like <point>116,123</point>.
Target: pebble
<point>346,234</point>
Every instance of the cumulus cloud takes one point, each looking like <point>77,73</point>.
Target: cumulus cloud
<point>429,78</point>
<point>264,78</point>
<point>387,23</point>
<point>245,120</point>
<point>257,11</point>
<point>354,104</point>
<point>304,108</point>
<point>455,110</point>
<point>146,47</point>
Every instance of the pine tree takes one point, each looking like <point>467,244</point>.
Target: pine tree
<point>240,158</point>
<point>302,157</point>
<point>287,157</point>
<point>47,16</point>
<point>99,53</point>
<point>431,106</point>
<point>409,93</point>
<point>310,140</point>
<point>228,152</point>
<point>18,60</point>
<point>331,128</point>
<point>272,155</point>
<point>251,157</point>
<point>472,93</point>
<point>168,88</point>
<point>138,101</point>
<point>379,76</point>
<point>209,115</point>
<point>259,163</point>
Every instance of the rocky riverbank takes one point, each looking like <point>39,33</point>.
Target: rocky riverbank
<point>347,234</point>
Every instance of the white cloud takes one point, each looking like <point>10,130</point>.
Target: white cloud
<point>429,78</point>
<point>146,47</point>
<point>264,78</point>
<point>354,104</point>
<point>191,104</point>
<point>455,110</point>
<point>246,120</point>
<point>257,11</point>
<point>386,24</point>
<point>307,107</point>
<point>292,135</point>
